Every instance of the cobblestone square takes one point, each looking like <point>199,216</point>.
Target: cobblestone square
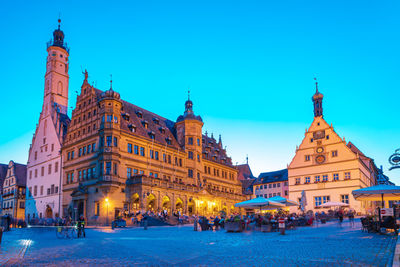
<point>324,245</point>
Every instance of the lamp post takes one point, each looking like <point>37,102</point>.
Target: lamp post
<point>107,203</point>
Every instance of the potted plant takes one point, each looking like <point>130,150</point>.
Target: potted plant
<point>235,224</point>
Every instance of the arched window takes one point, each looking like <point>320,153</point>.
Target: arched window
<point>60,88</point>
<point>45,127</point>
<point>47,86</point>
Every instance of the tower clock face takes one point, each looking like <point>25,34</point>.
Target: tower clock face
<point>320,159</point>
<point>320,149</point>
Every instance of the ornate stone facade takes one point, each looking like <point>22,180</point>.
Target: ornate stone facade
<point>138,160</point>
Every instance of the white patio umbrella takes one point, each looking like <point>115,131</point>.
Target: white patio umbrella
<point>333,204</point>
<point>378,193</point>
<point>285,201</point>
<point>260,203</point>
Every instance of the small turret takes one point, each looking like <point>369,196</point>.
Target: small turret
<point>317,100</point>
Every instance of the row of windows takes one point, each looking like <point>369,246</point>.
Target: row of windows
<point>274,185</point>
<point>154,154</point>
<point>10,181</point>
<point>43,149</point>
<point>89,115</point>
<point>83,175</point>
<point>91,148</point>
<point>9,205</point>
<point>224,174</point>
<point>131,172</point>
<point>109,118</point>
<point>319,200</point>
<point>325,178</point>
<point>78,133</point>
<point>51,190</point>
<point>190,141</point>
<point>272,194</point>
<point>223,189</point>
<point>42,170</point>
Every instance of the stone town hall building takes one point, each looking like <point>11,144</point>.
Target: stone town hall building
<point>117,157</point>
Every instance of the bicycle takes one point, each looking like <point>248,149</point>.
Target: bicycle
<point>66,232</point>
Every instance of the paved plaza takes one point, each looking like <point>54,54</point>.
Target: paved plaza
<point>181,246</point>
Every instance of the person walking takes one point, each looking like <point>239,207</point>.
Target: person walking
<point>340,215</point>
<point>81,227</point>
<point>351,218</point>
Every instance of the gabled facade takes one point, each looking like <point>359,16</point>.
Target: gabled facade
<point>327,168</point>
<point>13,191</point>
<point>138,160</point>
<point>271,184</point>
<point>43,195</point>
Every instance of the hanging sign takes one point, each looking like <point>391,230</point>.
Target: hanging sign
<point>394,160</point>
<point>387,212</point>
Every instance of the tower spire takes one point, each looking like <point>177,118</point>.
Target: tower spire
<point>317,100</point>
<point>110,81</point>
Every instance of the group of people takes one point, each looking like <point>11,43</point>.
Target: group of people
<point>163,215</point>
<point>214,223</point>
<point>339,214</point>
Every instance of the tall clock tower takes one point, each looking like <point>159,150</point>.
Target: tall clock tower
<point>44,167</point>
<point>56,77</point>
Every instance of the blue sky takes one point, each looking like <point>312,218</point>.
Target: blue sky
<point>249,65</point>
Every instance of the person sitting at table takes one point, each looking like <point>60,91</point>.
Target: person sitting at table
<point>216,223</point>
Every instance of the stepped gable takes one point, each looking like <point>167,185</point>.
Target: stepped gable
<point>20,174</point>
<point>213,151</point>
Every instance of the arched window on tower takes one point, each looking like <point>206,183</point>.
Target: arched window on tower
<point>45,127</point>
<point>60,88</point>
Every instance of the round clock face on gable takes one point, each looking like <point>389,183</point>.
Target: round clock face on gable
<point>320,149</point>
<point>320,159</point>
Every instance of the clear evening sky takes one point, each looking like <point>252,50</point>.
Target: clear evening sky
<point>249,65</point>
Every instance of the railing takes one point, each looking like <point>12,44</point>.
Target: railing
<point>152,181</point>
<point>51,43</point>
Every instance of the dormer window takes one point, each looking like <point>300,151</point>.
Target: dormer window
<point>139,114</point>
<point>132,127</point>
<point>145,124</point>
<point>168,140</point>
<point>162,130</point>
<point>156,120</point>
<point>152,135</point>
<point>125,116</point>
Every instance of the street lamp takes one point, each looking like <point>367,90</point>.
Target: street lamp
<point>107,203</point>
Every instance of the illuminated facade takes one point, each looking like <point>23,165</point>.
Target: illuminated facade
<point>271,184</point>
<point>327,168</point>
<point>138,160</point>
<point>13,193</point>
<point>43,194</point>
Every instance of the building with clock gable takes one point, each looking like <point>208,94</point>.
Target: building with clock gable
<point>328,168</point>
